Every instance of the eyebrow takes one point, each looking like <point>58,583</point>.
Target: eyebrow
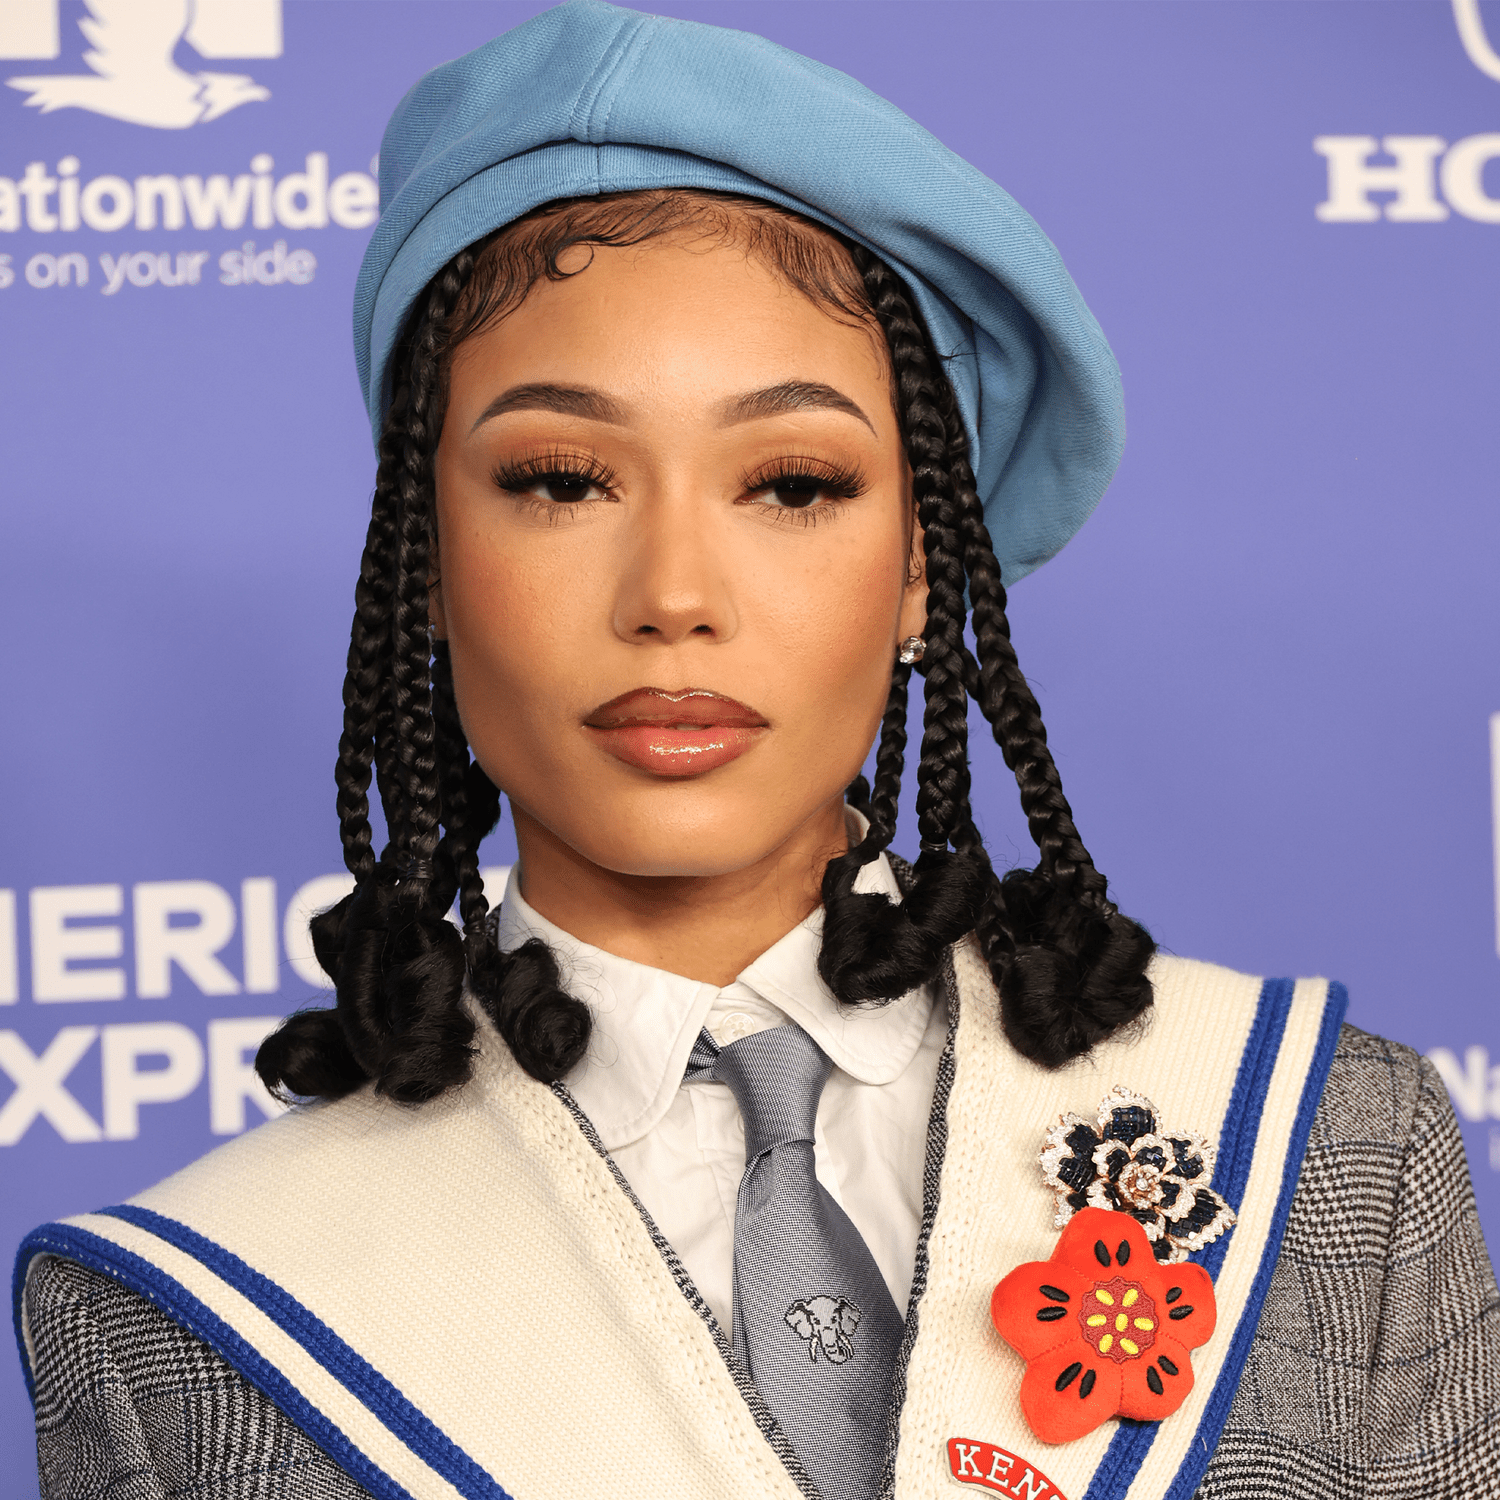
<point>566,400</point>
<point>789,396</point>
<point>593,405</point>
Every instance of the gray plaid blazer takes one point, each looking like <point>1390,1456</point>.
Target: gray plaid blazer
<point>1375,1370</point>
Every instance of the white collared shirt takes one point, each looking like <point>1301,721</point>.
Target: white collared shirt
<point>682,1149</point>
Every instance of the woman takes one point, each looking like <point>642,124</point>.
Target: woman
<point>729,1157</point>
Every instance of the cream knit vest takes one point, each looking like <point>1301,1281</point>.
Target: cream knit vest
<point>464,1299</point>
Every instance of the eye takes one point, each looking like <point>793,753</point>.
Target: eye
<point>804,485</point>
<point>794,491</point>
<point>553,479</point>
<point>561,489</point>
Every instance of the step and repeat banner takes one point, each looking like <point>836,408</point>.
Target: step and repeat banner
<point>1270,665</point>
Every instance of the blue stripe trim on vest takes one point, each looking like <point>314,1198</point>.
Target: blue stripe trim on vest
<point>1247,1101</point>
<point>184,1309</point>
<point>1216,1413</point>
<point>408,1422</point>
<point>17,1293</point>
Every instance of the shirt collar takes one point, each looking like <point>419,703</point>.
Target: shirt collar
<point>646,1020</point>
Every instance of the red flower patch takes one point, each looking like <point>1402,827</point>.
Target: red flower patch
<point>1104,1328</point>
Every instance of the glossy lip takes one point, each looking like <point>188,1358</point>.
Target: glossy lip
<point>685,732</point>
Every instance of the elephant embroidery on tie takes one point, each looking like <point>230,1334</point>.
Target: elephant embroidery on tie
<point>827,1323</point>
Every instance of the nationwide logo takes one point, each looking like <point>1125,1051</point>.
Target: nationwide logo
<point>132,43</point>
<point>1426,176</point>
<point>161,201</point>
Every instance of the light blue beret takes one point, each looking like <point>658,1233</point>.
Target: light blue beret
<point>590,98</point>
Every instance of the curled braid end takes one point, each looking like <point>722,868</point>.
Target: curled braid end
<point>307,1056</point>
<point>875,950</point>
<point>546,1028</point>
<point>1069,974</point>
<point>399,1014</point>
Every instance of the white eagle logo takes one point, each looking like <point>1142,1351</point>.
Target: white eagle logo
<point>134,76</point>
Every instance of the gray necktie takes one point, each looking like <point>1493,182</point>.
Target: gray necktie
<point>814,1322</point>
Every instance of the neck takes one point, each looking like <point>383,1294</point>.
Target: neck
<point>704,927</point>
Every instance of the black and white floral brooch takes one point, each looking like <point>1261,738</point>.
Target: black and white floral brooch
<point>1125,1160</point>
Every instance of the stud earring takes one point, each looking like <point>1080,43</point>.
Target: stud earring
<point>913,648</point>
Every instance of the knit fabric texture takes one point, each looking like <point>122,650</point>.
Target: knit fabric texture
<point>589,98</point>
<point>1374,1375</point>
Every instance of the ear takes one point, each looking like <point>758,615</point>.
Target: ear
<point>913,616</point>
<point>848,1316</point>
<point>798,1320</point>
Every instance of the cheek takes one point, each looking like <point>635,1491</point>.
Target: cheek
<point>834,629</point>
<point>509,629</point>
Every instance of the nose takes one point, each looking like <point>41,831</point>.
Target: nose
<point>673,583</point>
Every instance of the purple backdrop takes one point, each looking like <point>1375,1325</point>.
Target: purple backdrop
<point>1268,664</point>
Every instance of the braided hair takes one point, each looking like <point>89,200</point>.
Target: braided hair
<point>1068,966</point>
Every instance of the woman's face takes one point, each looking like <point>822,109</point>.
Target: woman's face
<point>675,545</point>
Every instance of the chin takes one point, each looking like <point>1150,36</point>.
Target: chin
<point>687,830</point>
<point>659,864</point>
<point>696,848</point>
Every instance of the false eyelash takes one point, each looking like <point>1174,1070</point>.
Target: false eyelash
<point>841,481</point>
<point>553,463</point>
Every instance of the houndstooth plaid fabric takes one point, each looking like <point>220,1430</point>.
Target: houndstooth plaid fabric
<point>1375,1373</point>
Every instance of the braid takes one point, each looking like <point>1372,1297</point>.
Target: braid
<point>368,664</point>
<point>1070,969</point>
<point>870,953</point>
<point>411,650</point>
<point>368,647</point>
<point>470,800</point>
<point>381,566</point>
<point>1008,704</point>
<point>890,758</point>
<point>943,774</point>
<point>398,963</point>
<point>546,1028</point>
<point>1069,966</point>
